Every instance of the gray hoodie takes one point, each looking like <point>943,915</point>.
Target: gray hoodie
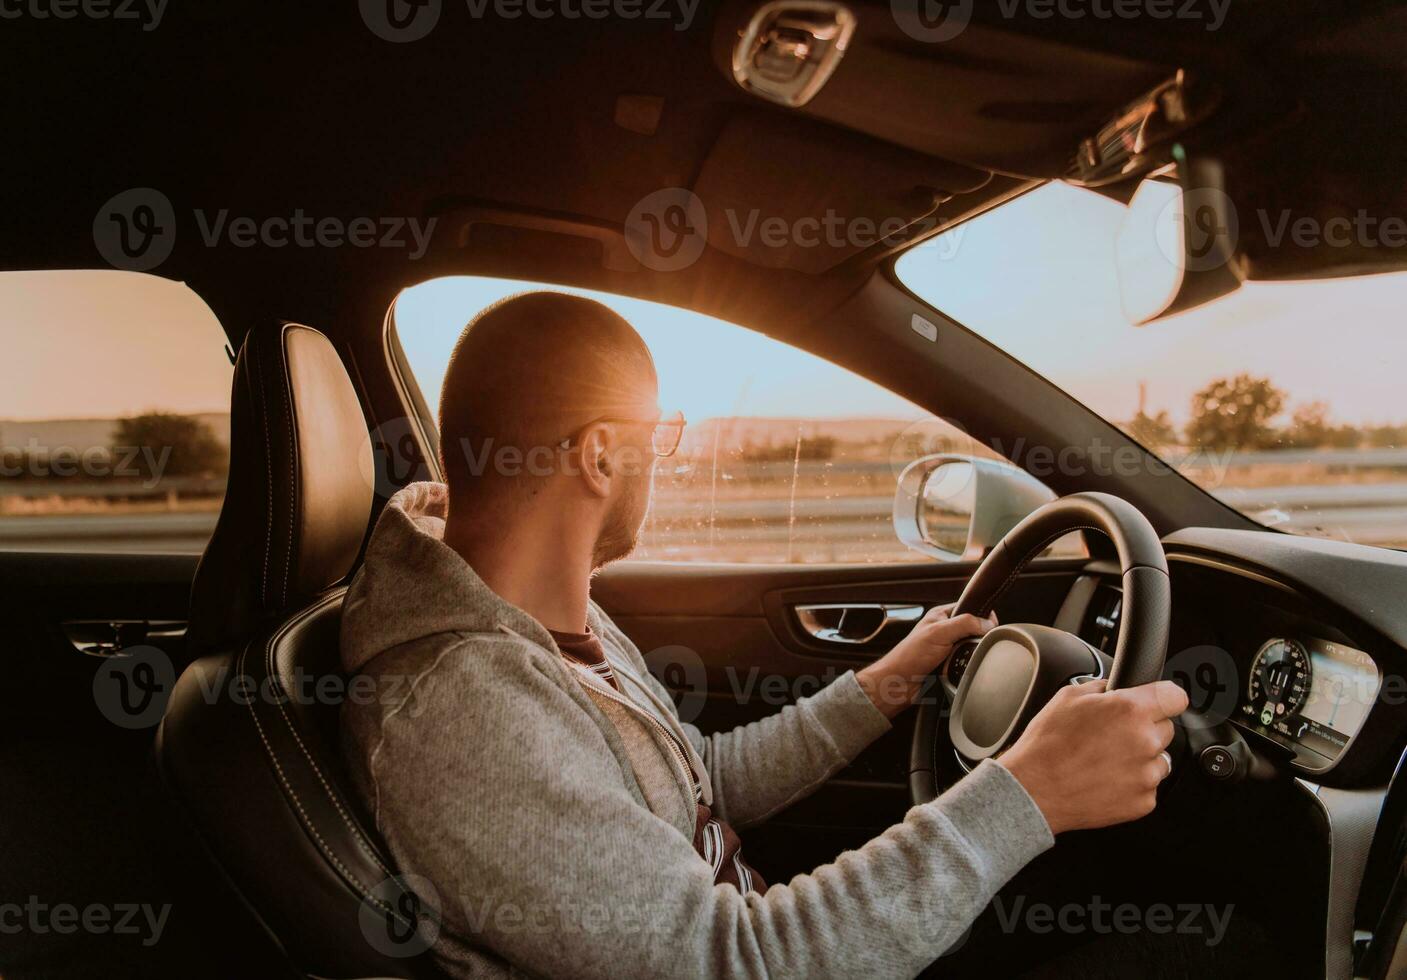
<point>550,824</point>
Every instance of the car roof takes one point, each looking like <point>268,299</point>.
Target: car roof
<point>234,109</point>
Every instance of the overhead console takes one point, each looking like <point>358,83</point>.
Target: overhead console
<point>972,93</point>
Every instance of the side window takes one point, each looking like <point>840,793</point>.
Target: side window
<point>786,458</point>
<point>114,414</point>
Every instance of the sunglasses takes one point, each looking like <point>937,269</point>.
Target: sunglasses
<point>664,436</point>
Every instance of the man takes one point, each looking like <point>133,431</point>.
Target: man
<point>528,769</point>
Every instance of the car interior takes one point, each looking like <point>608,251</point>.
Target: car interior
<point>526,146</point>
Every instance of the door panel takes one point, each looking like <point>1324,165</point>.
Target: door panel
<point>85,824</point>
<point>727,640</point>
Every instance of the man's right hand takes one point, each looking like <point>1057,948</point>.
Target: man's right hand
<point>1091,757</point>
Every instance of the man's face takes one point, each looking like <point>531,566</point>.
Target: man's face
<point>620,531</point>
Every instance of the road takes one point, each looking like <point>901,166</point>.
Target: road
<point>836,528</point>
<point>145,533</point>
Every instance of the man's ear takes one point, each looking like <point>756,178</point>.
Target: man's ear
<point>596,460</point>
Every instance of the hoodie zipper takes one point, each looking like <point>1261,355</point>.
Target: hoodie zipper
<point>669,738</point>
<point>686,770</point>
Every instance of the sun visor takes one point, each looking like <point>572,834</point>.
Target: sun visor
<point>786,193</point>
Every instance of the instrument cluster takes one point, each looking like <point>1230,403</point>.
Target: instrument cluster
<point>1310,694</point>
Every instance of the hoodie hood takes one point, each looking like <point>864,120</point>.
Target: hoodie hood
<point>413,585</point>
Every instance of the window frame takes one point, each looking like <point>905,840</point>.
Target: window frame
<point>424,427</point>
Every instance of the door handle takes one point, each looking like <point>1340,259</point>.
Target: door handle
<point>854,622</point>
<point>105,637</point>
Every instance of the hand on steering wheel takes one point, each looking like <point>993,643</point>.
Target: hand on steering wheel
<point>894,680</point>
<point>1091,757</point>
<point>1021,674</point>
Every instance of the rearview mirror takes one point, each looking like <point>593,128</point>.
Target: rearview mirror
<point>1176,248</point>
<point>954,507</point>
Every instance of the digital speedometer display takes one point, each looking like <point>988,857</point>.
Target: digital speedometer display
<point>1311,693</point>
<point>1280,677</point>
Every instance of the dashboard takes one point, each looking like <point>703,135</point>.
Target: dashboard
<point>1299,677</point>
<point>1295,650</point>
<point>1309,692</point>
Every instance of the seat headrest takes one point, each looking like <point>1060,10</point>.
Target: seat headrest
<point>299,498</point>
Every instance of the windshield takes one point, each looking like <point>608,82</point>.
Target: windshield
<point>1285,399</point>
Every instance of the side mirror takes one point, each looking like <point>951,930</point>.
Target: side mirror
<point>955,507</point>
<point>1176,248</point>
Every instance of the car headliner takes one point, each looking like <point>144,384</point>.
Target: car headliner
<point>266,111</point>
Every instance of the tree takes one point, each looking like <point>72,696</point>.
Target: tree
<point>1235,413</point>
<point>170,445</point>
<point>1390,436</point>
<point>1154,431</point>
<point>813,448</point>
<point>1310,428</point>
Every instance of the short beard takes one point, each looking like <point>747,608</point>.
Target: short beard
<point>621,531</point>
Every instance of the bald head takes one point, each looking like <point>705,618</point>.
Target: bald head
<point>526,373</point>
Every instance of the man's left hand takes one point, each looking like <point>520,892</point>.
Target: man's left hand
<point>894,680</point>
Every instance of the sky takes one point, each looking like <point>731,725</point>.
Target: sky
<point>1037,278</point>
<point>708,368</point>
<point>108,344</point>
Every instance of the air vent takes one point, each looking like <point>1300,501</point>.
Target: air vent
<point>790,48</point>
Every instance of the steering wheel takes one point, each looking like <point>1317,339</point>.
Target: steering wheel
<point>1017,668</point>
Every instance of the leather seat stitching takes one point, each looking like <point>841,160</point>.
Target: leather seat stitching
<point>292,453</point>
<point>293,795</point>
<point>312,763</point>
<point>262,421</point>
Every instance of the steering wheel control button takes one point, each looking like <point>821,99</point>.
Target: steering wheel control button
<point>957,663</point>
<point>1218,762</point>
